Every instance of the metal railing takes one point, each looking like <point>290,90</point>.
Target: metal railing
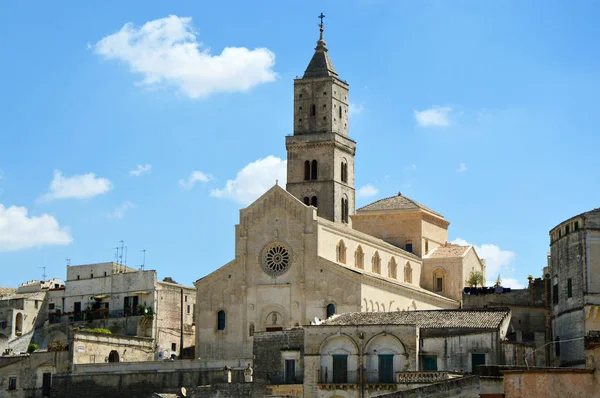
<point>92,315</point>
<point>328,376</point>
<point>274,378</point>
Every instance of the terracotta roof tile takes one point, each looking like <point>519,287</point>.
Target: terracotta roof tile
<point>448,250</point>
<point>398,202</point>
<point>433,319</point>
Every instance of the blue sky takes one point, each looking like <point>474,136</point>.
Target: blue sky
<point>155,122</point>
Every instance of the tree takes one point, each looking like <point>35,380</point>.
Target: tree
<point>32,348</point>
<point>475,278</point>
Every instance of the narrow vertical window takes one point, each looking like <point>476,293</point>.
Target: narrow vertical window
<point>343,211</point>
<point>569,287</point>
<point>359,257</point>
<point>557,346</point>
<point>340,108</point>
<point>313,201</point>
<point>251,330</point>
<point>307,170</point>
<point>330,310</point>
<point>221,320</point>
<point>409,247</point>
<point>313,175</point>
<point>313,110</point>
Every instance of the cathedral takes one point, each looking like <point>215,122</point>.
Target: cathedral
<point>304,253</point>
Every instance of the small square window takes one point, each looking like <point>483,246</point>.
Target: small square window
<point>300,96</point>
<point>576,226</point>
<point>92,276</point>
<point>77,277</point>
<point>300,108</point>
<point>324,117</point>
<point>324,92</point>
<point>300,120</point>
<point>104,273</point>
<point>173,346</point>
<point>12,383</point>
<point>51,306</point>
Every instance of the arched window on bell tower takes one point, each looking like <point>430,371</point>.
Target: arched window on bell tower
<point>313,201</point>
<point>313,175</point>
<point>307,170</point>
<point>307,200</point>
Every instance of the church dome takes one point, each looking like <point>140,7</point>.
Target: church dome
<point>396,203</point>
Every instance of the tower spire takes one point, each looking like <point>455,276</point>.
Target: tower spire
<point>320,65</point>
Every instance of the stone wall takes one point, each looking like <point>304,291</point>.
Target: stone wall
<point>95,347</point>
<point>271,349</point>
<point>142,384</point>
<point>29,370</point>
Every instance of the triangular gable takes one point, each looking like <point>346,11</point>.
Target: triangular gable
<point>274,197</point>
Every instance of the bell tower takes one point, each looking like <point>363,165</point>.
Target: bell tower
<point>320,156</point>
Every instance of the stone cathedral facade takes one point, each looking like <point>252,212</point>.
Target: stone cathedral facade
<point>304,252</point>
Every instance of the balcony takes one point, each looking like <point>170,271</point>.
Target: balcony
<point>281,378</point>
<point>376,381</point>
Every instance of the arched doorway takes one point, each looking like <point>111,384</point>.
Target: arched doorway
<point>113,356</point>
<point>19,324</point>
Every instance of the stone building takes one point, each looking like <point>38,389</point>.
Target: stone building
<point>126,301</point>
<point>304,253</point>
<point>530,328</point>
<point>368,354</point>
<point>20,314</point>
<point>575,274</point>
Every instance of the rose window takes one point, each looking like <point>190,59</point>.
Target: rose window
<point>276,259</point>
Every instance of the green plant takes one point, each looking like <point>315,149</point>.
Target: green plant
<point>32,348</point>
<point>57,345</point>
<point>99,330</point>
<point>476,278</point>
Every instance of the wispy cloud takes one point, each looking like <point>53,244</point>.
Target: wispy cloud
<point>120,211</point>
<point>166,51</point>
<point>437,116</point>
<point>253,180</point>
<point>1,174</point>
<point>367,190</point>
<point>139,170</point>
<point>462,168</point>
<point>355,109</point>
<point>410,167</point>
<point>497,261</point>
<point>76,187</point>
<point>20,231</point>
<point>194,177</point>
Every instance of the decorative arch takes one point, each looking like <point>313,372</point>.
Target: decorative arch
<point>366,305</point>
<point>385,354</point>
<point>376,263</point>
<point>359,258</point>
<point>338,355</point>
<point>407,273</point>
<point>344,207</point>
<point>266,317</point>
<point>439,280</point>
<point>344,168</point>
<point>341,252</point>
<point>392,268</point>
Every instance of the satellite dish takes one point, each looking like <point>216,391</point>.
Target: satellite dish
<point>317,321</point>
<point>183,392</point>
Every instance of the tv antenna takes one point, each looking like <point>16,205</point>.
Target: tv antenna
<point>44,273</point>
<point>68,259</point>
<point>144,258</point>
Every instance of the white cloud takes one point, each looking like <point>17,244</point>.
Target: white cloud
<point>1,174</point>
<point>120,211</point>
<point>497,261</point>
<point>510,282</point>
<point>139,170</point>
<point>166,51</point>
<point>195,176</point>
<point>437,116</point>
<point>19,231</point>
<point>356,109</point>
<point>367,190</point>
<point>254,180</point>
<point>77,186</point>
<point>462,168</point>
<point>410,167</point>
